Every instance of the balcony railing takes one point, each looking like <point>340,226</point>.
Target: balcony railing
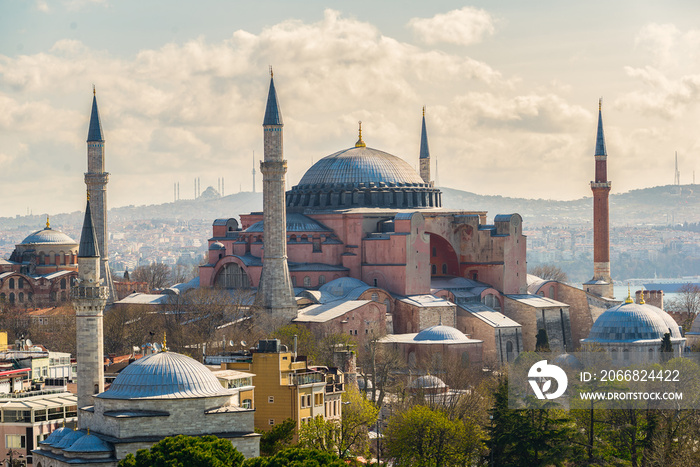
<point>88,292</point>
<point>336,387</point>
<point>307,378</point>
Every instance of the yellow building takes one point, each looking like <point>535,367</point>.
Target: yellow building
<point>286,387</point>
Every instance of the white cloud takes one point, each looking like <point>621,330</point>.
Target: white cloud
<point>465,26</point>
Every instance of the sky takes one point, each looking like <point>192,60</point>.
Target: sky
<point>511,92</point>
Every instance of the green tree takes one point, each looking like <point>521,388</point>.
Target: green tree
<point>306,343</point>
<point>549,272</point>
<point>348,436</point>
<point>297,457</point>
<point>666,348</point>
<point>277,438</point>
<point>424,437</point>
<point>186,451</point>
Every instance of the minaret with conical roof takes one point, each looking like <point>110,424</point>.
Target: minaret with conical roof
<point>275,294</point>
<point>424,153</point>
<point>96,180</point>
<point>601,283</point>
<point>89,298</point>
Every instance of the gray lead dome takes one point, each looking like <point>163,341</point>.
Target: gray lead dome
<point>631,322</point>
<point>164,375</point>
<point>362,177</point>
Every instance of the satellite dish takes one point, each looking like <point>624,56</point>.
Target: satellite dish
<point>231,343</point>
<point>29,343</point>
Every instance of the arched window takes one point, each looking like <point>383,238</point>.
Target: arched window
<point>232,276</point>
<point>375,297</point>
<point>387,303</point>
<point>307,281</point>
<point>52,296</point>
<point>21,297</point>
<point>21,282</point>
<point>433,269</point>
<point>304,239</point>
<point>63,284</point>
<point>12,282</point>
<point>317,245</point>
<point>293,238</point>
<point>12,298</point>
<point>321,279</point>
<point>444,268</point>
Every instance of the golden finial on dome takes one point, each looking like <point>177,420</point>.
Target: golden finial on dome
<point>88,195</point>
<point>93,90</point>
<point>48,225</point>
<point>424,111</point>
<point>629,295</point>
<point>272,75</point>
<point>600,104</point>
<point>641,297</point>
<point>360,143</point>
<point>165,342</point>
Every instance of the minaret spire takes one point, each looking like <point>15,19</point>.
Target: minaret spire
<point>275,294</point>
<point>424,152</point>
<point>601,283</point>
<point>89,299</point>
<point>96,179</point>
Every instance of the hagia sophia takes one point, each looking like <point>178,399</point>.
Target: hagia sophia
<point>360,246</point>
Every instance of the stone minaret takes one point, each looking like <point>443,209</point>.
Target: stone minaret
<point>601,283</point>
<point>89,299</point>
<point>424,153</point>
<point>96,180</point>
<point>275,294</point>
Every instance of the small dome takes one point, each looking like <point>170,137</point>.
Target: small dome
<point>568,361</point>
<point>295,223</point>
<point>631,322</point>
<point>56,436</point>
<point>217,246</point>
<point>89,443</point>
<point>441,333</point>
<point>342,286</point>
<point>47,235</point>
<point>68,440</point>
<point>428,382</point>
<point>164,375</point>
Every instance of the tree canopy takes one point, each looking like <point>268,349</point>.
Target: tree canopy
<point>186,451</point>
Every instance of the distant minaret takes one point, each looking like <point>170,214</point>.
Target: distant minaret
<point>96,180</point>
<point>601,283</point>
<point>424,153</point>
<point>275,293</point>
<point>89,299</point>
<point>253,172</point>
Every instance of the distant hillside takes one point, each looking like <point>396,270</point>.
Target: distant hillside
<point>657,205</point>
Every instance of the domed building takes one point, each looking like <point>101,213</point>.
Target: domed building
<point>161,395</point>
<point>632,332</point>
<point>40,269</point>
<point>366,214</point>
<point>436,345</point>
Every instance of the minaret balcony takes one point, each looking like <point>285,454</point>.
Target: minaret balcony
<point>81,292</point>
<point>601,184</point>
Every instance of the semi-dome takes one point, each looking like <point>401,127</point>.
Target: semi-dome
<point>164,375</point>
<point>47,235</point>
<point>441,333</point>
<point>217,246</point>
<point>630,322</point>
<point>362,177</point>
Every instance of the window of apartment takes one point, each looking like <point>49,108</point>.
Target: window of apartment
<point>302,403</point>
<point>318,399</point>
<point>247,403</point>
<point>271,421</point>
<point>14,442</point>
<point>271,399</point>
<point>308,400</point>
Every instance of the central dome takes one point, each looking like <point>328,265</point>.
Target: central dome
<point>164,375</point>
<point>360,165</point>
<point>631,322</point>
<point>47,235</point>
<point>362,177</point>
